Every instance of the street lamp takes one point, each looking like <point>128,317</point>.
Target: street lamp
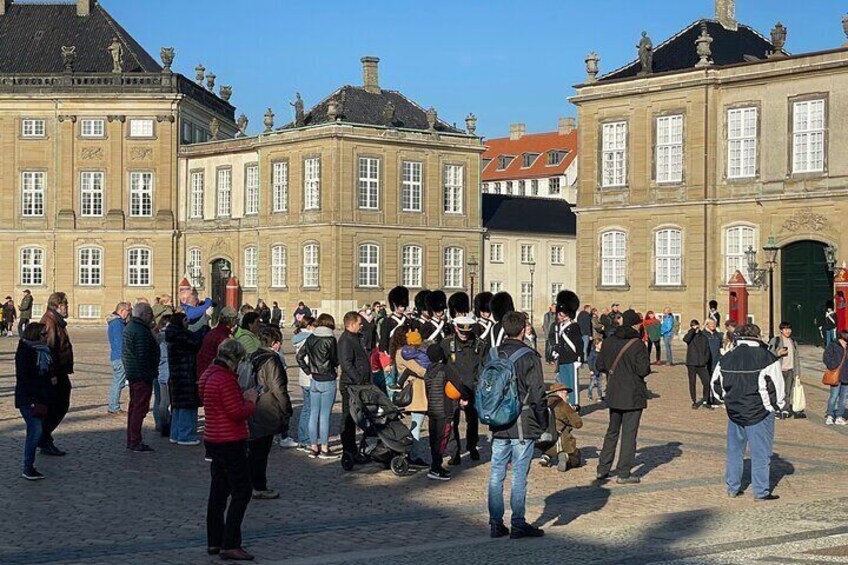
<point>472,272</point>
<point>771,248</point>
<point>830,257</point>
<point>225,271</point>
<point>532,272</point>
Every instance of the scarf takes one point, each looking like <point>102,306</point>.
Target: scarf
<point>44,357</point>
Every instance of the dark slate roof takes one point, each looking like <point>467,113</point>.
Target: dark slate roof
<point>358,106</point>
<point>528,215</point>
<point>32,35</point>
<point>678,53</point>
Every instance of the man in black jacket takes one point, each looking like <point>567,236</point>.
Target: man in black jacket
<point>356,370</point>
<point>625,361</point>
<point>697,361</point>
<point>514,443</point>
<point>140,354</point>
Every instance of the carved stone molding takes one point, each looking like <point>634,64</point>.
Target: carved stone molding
<point>91,153</point>
<point>166,118</point>
<point>71,118</point>
<point>141,153</point>
<point>113,118</point>
<point>136,241</point>
<point>88,241</point>
<point>806,219</point>
<point>222,245</point>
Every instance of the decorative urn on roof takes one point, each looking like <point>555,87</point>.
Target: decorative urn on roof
<point>471,124</point>
<point>167,56</point>
<point>269,120</point>
<point>778,39</point>
<point>702,46</point>
<point>592,67</point>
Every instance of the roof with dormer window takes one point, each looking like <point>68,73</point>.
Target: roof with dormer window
<point>536,143</point>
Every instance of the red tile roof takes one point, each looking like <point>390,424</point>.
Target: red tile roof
<point>539,143</point>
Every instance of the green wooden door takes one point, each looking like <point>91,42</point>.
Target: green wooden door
<point>806,287</point>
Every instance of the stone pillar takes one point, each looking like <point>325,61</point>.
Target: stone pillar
<point>370,77</point>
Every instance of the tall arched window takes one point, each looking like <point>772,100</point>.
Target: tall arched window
<point>279,258</point>
<point>90,266</point>
<point>195,266</point>
<point>737,240</point>
<point>453,267</point>
<point>369,265</point>
<point>138,266</point>
<point>412,265</point>
<point>613,258</point>
<point>251,267</point>
<point>310,265</point>
<point>669,257</point>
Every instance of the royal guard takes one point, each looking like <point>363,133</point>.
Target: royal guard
<point>398,303</point>
<point>436,326</point>
<point>501,305</point>
<point>420,316</point>
<point>483,312</point>
<point>568,344</point>
<point>459,305</point>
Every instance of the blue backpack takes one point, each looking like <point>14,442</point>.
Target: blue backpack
<point>497,398</point>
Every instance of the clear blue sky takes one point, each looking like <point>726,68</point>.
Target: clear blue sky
<point>506,61</point>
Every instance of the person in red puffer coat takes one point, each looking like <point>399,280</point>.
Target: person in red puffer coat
<point>227,410</point>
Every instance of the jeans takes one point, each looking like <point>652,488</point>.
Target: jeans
<point>157,396</point>
<point>668,354</point>
<point>760,436</point>
<point>623,424</point>
<point>595,384</point>
<point>586,341</point>
<point>257,461</point>
<point>519,454</point>
<point>829,336</point>
<point>303,425</point>
<point>184,424</point>
<point>567,376</point>
<point>33,436</point>
<point>322,395</point>
<point>230,480</point>
<point>162,407</point>
<point>836,401</point>
<point>119,381</point>
<point>140,393</point>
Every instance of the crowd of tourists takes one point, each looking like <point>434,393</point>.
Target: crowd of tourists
<point>434,359</point>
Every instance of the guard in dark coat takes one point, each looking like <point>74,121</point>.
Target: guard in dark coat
<point>436,327</point>
<point>625,360</point>
<point>421,315</point>
<point>459,305</point>
<point>501,304</point>
<point>567,341</point>
<point>398,303</point>
<point>697,361</point>
<point>483,312</point>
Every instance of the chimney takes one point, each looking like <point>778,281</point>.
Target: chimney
<point>370,80</point>
<point>566,125</point>
<point>84,7</point>
<point>516,131</point>
<point>725,13</point>
<point>4,6</point>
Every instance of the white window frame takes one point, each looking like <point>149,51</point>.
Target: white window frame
<point>88,311</point>
<point>311,265</point>
<point>808,136</point>
<point>224,192</point>
<point>412,266</point>
<point>369,265</point>
<point>90,266</point>
<point>554,186</point>
<point>251,190</point>
<point>198,179</point>
<point>557,255</point>
<point>251,267</point>
<point>93,128</point>
<point>496,286</point>
<point>368,195</point>
<point>32,265</point>
<point>91,193</point>
<point>280,186</point>
<point>33,128</point>
<point>194,265</point>
<point>528,253</point>
<point>614,154</point>
<point>668,257</point>
<point>669,149</point>
<point>556,288</point>
<point>534,187</point>
<point>312,183</point>
<point>496,249</point>
<point>139,266</point>
<point>32,193</point>
<point>454,267</point>
<point>138,128</point>
<point>613,258</point>
<point>454,177</point>
<point>742,140</point>
<point>737,239</point>
<point>412,184</point>
<point>279,266</point>
<point>141,194</point>
<point>526,296</point>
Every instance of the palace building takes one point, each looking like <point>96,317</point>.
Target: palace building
<point>709,147</point>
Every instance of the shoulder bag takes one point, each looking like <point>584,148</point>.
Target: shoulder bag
<point>832,376</point>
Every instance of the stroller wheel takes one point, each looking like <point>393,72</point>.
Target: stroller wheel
<point>347,461</point>
<point>400,465</point>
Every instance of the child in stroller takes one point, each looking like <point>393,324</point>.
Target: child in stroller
<point>386,439</point>
<point>562,419</point>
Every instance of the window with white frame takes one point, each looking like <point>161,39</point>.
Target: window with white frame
<point>528,253</point>
<point>369,183</point>
<point>90,127</point>
<point>141,194</point>
<point>453,267</point>
<point>613,258</point>
<point>557,255</point>
<point>669,257</point>
<point>496,252</point>
<point>669,149</point>
<point>508,187</point>
<point>89,311</point>
<point>32,193</point>
<point>554,186</point>
<point>33,128</point>
<point>251,190</point>
<point>312,183</point>
<point>412,266</point>
<point>614,154</point>
<point>737,240</point>
<point>280,184</point>
<point>742,143</point>
<point>496,188</point>
<point>369,265</point>
<point>528,159</point>
<point>454,181</point>
<point>224,190</point>
<point>279,260</point>
<point>411,186</point>
<point>808,128</point>
<point>197,180</point>
<point>195,266</point>
<point>556,288</point>
<point>495,286</point>
<point>251,267</point>
<point>32,266</point>
<point>526,296</point>
<point>91,193</point>
<point>504,161</point>
<point>141,127</point>
<point>138,266</point>
<point>534,187</point>
<point>522,188</point>
<point>310,265</point>
<point>90,266</point>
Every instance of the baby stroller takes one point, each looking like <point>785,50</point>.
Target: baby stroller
<point>387,440</point>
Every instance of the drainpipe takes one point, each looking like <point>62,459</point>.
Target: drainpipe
<point>707,229</point>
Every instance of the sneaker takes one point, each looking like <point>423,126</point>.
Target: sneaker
<point>545,461</point>
<point>736,494</point>
<point>695,406</point>
<point>314,453</point>
<point>498,531</point>
<point>526,531</point>
<point>235,555</point>
<point>117,412</point>
<point>190,442</point>
<point>303,448</point>
<point>53,451</point>
<point>767,497</point>
<point>141,448</point>
<point>266,494</point>
<point>287,442</point>
<point>841,421</point>
<point>439,475</point>
<point>328,455</point>
<point>32,474</point>
<point>172,440</point>
<point>207,459</point>
<point>828,421</point>
<point>628,480</point>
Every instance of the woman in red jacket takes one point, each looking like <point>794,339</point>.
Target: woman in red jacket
<point>227,411</point>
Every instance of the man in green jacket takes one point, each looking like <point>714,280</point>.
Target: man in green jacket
<point>140,354</point>
<point>24,312</point>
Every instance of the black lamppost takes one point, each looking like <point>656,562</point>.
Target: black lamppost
<point>532,287</point>
<point>757,275</point>
<point>472,272</point>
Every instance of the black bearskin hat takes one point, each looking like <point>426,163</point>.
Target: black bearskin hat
<point>501,304</point>
<point>437,301</point>
<point>398,296</point>
<point>483,303</point>
<point>713,304</point>
<point>421,300</point>
<point>568,303</point>
<point>459,304</point>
